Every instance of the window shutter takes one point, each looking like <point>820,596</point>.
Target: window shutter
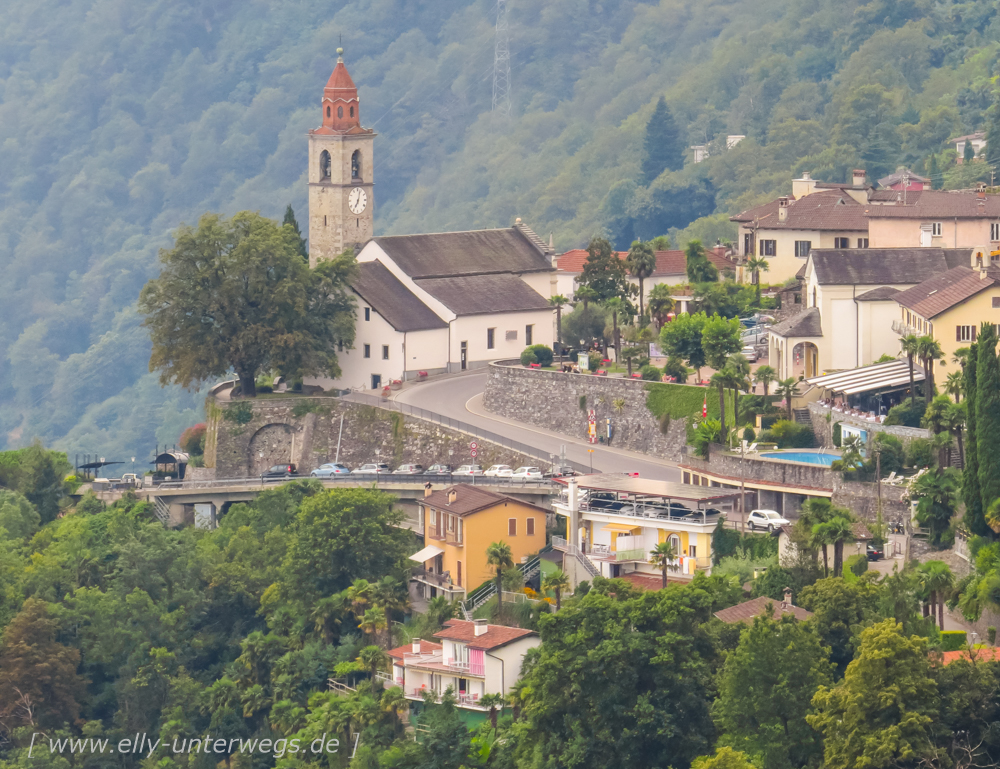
<point>512,527</point>
<point>973,333</point>
<point>958,333</point>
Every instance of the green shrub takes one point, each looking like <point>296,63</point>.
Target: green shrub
<point>765,436</point>
<point>856,564</point>
<point>768,420</point>
<point>675,367</point>
<point>836,434</point>
<point>543,354</point>
<point>582,589</point>
<point>953,640</point>
<point>650,373</point>
<point>239,412</point>
<point>528,357</point>
<point>582,400</point>
<point>574,356</point>
<point>908,413</point>
<point>891,450</point>
<point>748,434</point>
<point>921,453</point>
<point>792,435</point>
<point>595,359</point>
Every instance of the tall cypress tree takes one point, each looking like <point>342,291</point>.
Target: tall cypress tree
<point>934,173</point>
<point>291,220</point>
<point>988,415</point>
<point>974,519</point>
<point>663,146</point>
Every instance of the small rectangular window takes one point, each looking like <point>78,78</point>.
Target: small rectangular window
<point>996,302</point>
<point>841,242</point>
<point>994,230</point>
<point>862,242</point>
<point>802,247</point>
<point>368,313</point>
<point>529,527</point>
<point>936,229</point>
<point>385,352</point>
<point>491,338</point>
<point>768,247</point>
<point>528,333</point>
<point>693,551</point>
<point>459,574</point>
<point>451,523</point>
<point>748,244</point>
<point>512,527</point>
<point>963,333</point>
<point>368,351</point>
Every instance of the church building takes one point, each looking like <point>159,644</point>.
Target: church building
<point>429,303</point>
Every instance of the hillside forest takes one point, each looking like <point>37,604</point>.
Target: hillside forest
<point>120,121</point>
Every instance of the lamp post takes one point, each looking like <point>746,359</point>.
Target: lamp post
<point>591,452</point>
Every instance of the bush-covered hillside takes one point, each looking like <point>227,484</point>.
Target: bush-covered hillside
<point>120,120</point>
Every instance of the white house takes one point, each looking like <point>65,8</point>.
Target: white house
<point>473,658</point>
<point>446,302</point>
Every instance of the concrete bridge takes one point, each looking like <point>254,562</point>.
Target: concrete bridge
<point>174,501</point>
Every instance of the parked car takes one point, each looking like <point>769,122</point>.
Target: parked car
<point>755,336</point>
<point>469,470</point>
<point>533,473</point>
<point>561,471</point>
<point>750,353</point>
<point>499,471</point>
<point>765,519</point>
<point>438,470</point>
<point>329,469</point>
<point>875,553</point>
<point>277,472</point>
<point>409,470</point>
<point>372,468</point>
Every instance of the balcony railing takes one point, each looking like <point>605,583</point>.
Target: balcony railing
<point>605,553</point>
<point>651,511</point>
<point>903,329</point>
<point>442,581</point>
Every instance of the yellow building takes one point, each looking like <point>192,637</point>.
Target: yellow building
<point>950,307</point>
<point>459,523</point>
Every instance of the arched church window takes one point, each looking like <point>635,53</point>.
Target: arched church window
<point>356,165</point>
<point>340,111</point>
<point>328,112</point>
<point>352,111</point>
<point>324,165</point>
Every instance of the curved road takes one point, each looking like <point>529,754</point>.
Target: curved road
<point>460,397</point>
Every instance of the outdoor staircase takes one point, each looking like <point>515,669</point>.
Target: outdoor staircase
<point>802,416</point>
<point>161,510</point>
<point>487,590</point>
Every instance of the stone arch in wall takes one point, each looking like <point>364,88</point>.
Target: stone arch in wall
<point>272,444</point>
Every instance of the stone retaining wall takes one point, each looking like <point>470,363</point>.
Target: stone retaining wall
<point>552,400</point>
<point>305,431</point>
<point>823,428</point>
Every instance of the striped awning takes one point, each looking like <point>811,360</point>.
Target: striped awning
<point>883,376</point>
<point>426,554</point>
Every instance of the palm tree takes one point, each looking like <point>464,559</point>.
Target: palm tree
<point>720,380</point>
<point>441,609</point>
<point>818,540</point>
<point>757,264</point>
<point>393,701</point>
<point>764,376</point>
<point>500,557</point>
<point>640,262</point>
<point>662,557</point>
<point>937,580</point>
<point>788,389</point>
<point>631,354</point>
<point>813,511</point>
<point>928,350</point>
<point>910,344</point>
<point>492,701</point>
<point>738,370</point>
<point>372,622</point>
<point>360,594</point>
<point>557,581</point>
<point>586,295</point>
<point>616,305</point>
<point>660,303</point>
<point>391,595</point>
<point>327,613</point>
<point>372,657</point>
<point>839,530</point>
<point>953,385</point>
<point>960,356</point>
<point>558,301</point>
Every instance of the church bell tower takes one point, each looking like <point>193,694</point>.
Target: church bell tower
<point>341,199</point>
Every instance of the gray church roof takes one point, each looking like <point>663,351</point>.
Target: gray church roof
<point>805,324</point>
<point>392,300</point>
<point>878,266</point>
<point>480,294</point>
<point>477,252</point>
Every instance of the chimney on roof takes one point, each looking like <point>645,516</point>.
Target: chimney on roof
<point>981,193</point>
<point>427,489</point>
<point>782,209</point>
<point>804,186</point>
<point>452,495</point>
<point>416,646</point>
<point>788,598</point>
<point>858,177</point>
<point>481,627</point>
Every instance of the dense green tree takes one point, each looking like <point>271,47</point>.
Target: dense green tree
<point>291,221</point>
<point>235,294</point>
<point>660,303</point>
<point>936,493</point>
<point>971,493</point>
<point>841,608</point>
<point>18,517</point>
<point>987,405</point>
<point>724,758</point>
<point>604,272</point>
<point>720,338</point>
<point>880,715</point>
<point>663,147</point>
<point>586,323</point>
<point>682,338</point>
<point>766,689</point>
<point>699,269</point>
<point>641,262</point>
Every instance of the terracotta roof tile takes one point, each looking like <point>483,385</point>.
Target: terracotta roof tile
<point>942,292</point>
<point>672,262</point>
<point>468,499</point>
<point>745,612</point>
<point>984,654</point>
<point>494,637</point>
<point>939,204</point>
<point>828,210</point>
<point>425,646</point>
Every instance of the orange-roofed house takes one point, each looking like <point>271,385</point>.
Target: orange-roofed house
<point>981,654</point>
<point>473,658</point>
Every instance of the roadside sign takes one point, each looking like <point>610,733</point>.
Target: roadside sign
<point>474,453</point>
<point>473,445</point>
<point>592,426</point>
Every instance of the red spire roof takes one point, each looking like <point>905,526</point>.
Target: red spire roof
<point>341,107</point>
<point>340,80</point>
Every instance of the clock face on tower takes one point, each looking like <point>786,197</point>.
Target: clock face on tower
<point>357,201</point>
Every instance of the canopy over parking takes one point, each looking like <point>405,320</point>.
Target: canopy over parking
<point>883,376</point>
<point>648,487</point>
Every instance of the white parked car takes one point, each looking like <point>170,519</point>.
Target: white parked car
<point>528,472</point>
<point>765,519</point>
<point>469,470</point>
<point>750,353</point>
<point>372,468</point>
<point>499,471</point>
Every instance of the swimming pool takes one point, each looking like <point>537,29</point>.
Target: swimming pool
<point>809,457</point>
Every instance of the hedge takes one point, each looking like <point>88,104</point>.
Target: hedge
<point>952,640</point>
